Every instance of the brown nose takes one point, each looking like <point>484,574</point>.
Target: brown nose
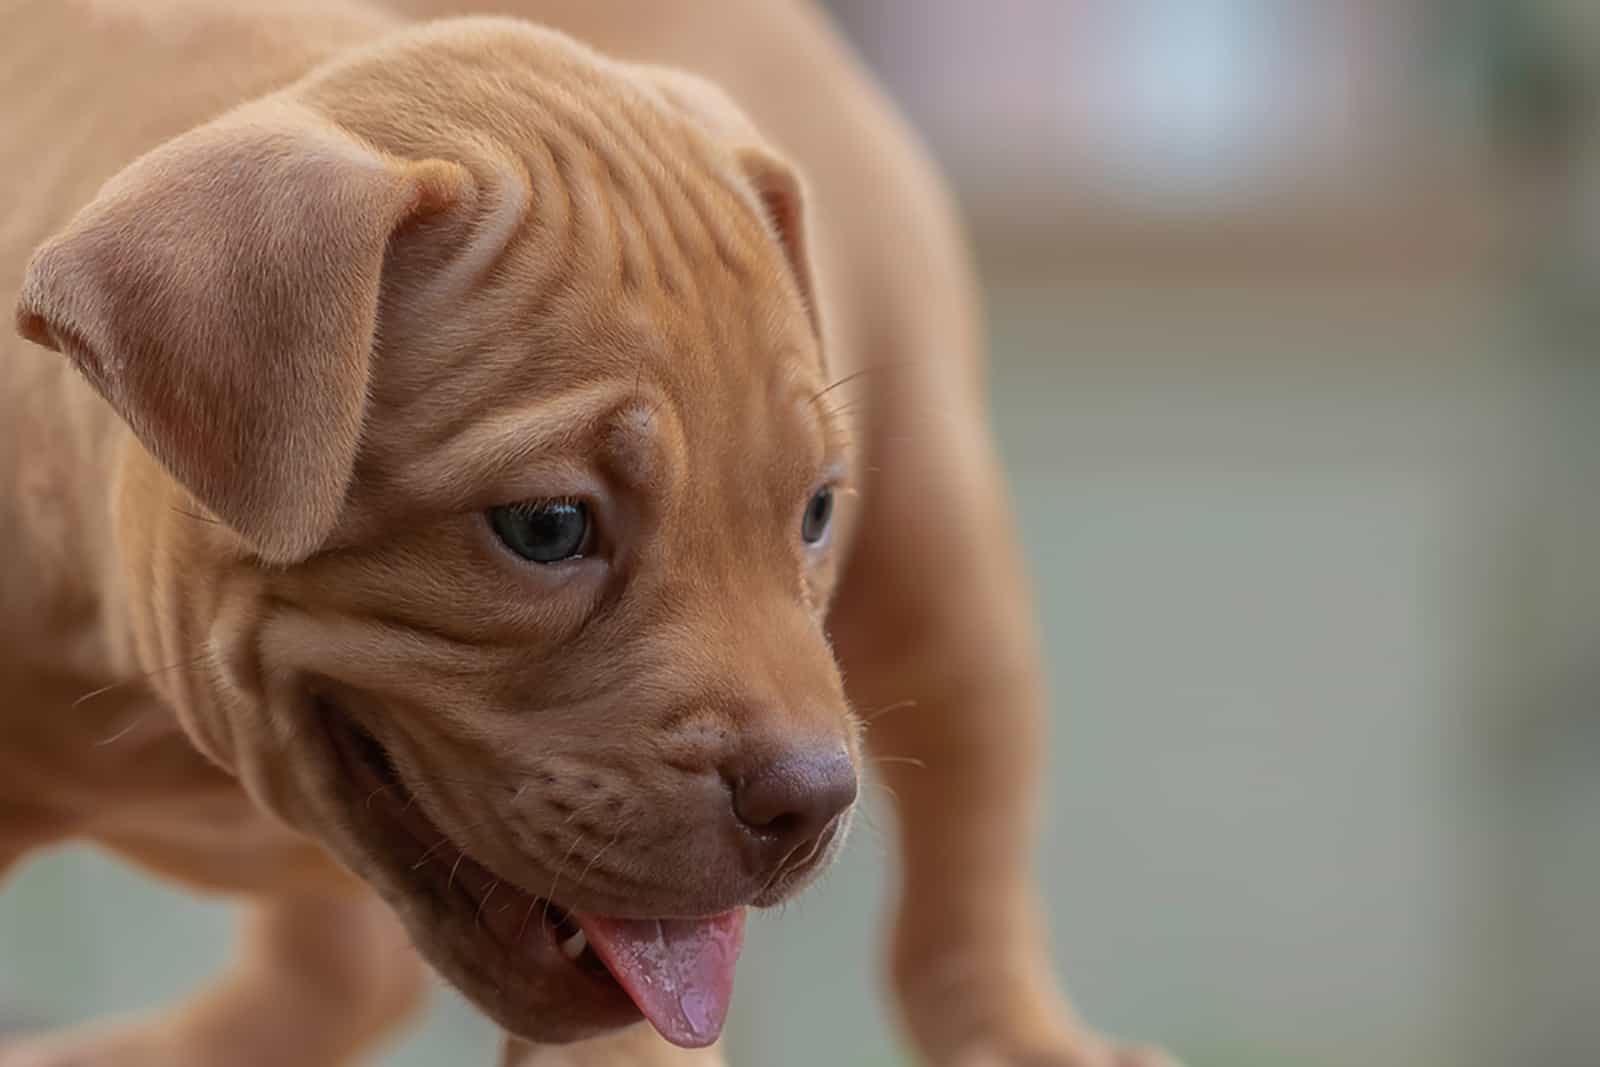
<point>790,801</point>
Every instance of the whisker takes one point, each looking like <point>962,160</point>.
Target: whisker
<point>533,902</point>
<point>383,789</point>
<point>197,517</point>
<point>557,879</point>
<point>836,411</point>
<point>859,374</point>
<point>136,679</point>
<point>454,867</point>
<point>596,857</point>
<point>581,809</point>
<point>910,761</point>
<point>818,843</point>
<point>120,734</point>
<point>876,713</point>
<point>780,870</point>
<point>445,840</point>
<point>478,918</point>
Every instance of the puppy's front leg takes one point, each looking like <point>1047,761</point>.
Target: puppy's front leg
<point>933,625</point>
<point>322,978</point>
<point>637,1046</point>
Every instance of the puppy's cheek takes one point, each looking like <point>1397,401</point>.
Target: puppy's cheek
<point>277,771</point>
<point>252,719</point>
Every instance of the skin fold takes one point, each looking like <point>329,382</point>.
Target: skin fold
<point>304,292</point>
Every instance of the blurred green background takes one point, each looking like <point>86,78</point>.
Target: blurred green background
<point>1297,373</point>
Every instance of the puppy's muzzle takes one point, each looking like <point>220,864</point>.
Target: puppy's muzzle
<point>791,804</point>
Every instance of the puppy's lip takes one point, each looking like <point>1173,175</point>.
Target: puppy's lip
<point>795,879</point>
<point>516,930</point>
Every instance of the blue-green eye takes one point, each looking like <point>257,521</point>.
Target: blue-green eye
<point>545,531</point>
<point>818,512</point>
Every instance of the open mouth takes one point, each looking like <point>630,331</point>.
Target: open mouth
<point>605,972</point>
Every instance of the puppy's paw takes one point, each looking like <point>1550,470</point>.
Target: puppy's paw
<point>131,1046</point>
<point>977,988</point>
<point>1089,1052</point>
<point>638,1046</point>
<point>1004,1009</point>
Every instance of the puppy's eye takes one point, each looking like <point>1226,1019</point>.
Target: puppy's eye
<point>545,531</point>
<point>818,512</point>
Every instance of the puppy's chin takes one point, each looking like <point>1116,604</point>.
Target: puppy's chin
<point>500,945</point>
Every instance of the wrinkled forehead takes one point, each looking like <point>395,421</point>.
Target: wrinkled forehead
<point>529,373</point>
<point>612,285</point>
<point>638,394</point>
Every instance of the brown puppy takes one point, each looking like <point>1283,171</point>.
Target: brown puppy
<point>445,482</point>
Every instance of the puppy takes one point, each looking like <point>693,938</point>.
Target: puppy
<point>446,473</point>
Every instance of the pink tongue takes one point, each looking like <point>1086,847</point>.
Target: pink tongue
<point>678,971</point>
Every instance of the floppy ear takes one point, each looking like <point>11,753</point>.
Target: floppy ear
<point>221,293</point>
<point>777,189</point>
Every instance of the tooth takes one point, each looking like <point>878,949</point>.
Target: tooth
<point>573,946</point>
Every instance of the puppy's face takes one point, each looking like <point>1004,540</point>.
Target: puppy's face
<point>551,674</point>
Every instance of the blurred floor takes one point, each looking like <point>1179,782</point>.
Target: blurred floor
<point>1316,619</point>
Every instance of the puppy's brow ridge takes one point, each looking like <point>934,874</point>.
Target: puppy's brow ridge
<point>495,446</point>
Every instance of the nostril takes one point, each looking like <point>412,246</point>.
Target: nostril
<point>783,826</point>
<point>794,797</point>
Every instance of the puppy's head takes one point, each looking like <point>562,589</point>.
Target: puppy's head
<point>497,367</point>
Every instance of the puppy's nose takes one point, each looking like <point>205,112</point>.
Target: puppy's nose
<point>790,800</point>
